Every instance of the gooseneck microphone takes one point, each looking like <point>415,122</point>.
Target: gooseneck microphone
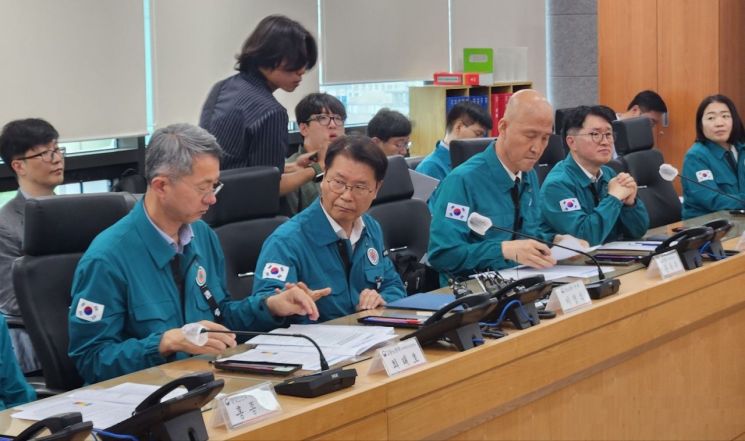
<point>669,173</point>
<point>602,288</point>
<point>324,363</point>
<point>307,386</point>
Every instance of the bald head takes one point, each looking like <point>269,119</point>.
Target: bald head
<point>526,102</point>
<point>524,130</point>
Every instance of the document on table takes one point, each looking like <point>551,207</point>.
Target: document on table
<point>338,344</point>
<point>104,407</point>
<point>569,242</point>
<point>556,272</point>
<point>646,246</point>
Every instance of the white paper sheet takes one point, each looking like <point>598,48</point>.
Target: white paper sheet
<point>556,272</point>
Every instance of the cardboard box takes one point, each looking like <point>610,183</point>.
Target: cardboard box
<point>480,60</point>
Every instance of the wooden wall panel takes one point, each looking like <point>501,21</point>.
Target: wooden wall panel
<point>627,50</point>
<point>688,67</point>
<point>732,51</point>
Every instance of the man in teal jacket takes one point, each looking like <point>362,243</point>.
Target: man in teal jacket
<point>13,387</point>
<point>332,242</point>
<point>464,121</point>
<point>582,196</point>
<point>160,267</point>
<point>498,183</point>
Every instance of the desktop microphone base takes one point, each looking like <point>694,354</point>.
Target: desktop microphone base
<point>315,385</point>
<point>603,288</point>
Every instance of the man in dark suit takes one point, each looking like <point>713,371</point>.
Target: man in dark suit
<point>29,148</point>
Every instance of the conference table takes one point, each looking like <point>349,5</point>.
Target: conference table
<point>662,359</point>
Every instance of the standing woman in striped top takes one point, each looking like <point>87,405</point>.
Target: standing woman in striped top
<point>242,112</point>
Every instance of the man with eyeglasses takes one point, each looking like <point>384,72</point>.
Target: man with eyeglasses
<point>29,149</point>
<point>584,197</point>
<point>464,121</point>
<point>333,243</point>
<point>161,267</point>
<point>390,130</point>
<point>321,120</point>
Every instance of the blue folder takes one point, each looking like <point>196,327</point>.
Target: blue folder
<point>427,301</point>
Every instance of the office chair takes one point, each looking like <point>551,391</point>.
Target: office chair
<point>559,117</point>
<point>461,150</point>
<point>634,140</point>
<point>245,214</point>
<point>405,225</point>
<point>57,231</point>
<point>551,156</point>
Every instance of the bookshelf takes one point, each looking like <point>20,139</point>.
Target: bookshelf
<point>427,109</point>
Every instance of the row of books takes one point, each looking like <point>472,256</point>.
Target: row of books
<point>496,110</point>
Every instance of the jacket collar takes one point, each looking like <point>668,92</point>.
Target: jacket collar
<point>317,227</point>
<point>498,171</point>
<point>160,251</point>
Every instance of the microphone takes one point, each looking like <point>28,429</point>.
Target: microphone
<point>602,288</point>
<point>307,386</point>
<point>668,173</point>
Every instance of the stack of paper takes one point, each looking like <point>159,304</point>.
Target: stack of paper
<point>555,272</point>
<point>104,407</point>
<point>631,247</point>
<point>338,343</point>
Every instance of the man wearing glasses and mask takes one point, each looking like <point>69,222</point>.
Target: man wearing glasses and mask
<point>582,196</point>
<point>29,148</point>
<point>161,267</point>
<point>333,243</point>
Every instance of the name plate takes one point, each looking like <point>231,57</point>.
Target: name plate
<point>397,358</point>
<point>569,298</point>
<point>246,406</point>
<point>665,265</point>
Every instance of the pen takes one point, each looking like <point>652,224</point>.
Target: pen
<point>378,283</point>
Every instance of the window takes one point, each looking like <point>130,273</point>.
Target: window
<point>363,100</point>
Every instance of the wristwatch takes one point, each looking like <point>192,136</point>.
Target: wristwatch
<point>318,171</point>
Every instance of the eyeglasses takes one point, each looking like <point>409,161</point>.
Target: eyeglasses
<point>216,187</point>
<point>403,145</point>
<point>598,137</point>
<point>47,155</point>
<point>325,120</point>
<point>339,187</point>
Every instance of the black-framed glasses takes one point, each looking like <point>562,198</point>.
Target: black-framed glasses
<point>598,137</point>
<point>47,155</point>
<point>339,187</point>
<point>325,120</point>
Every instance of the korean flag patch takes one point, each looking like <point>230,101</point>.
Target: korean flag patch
<point>89,311</point>
<point>275,271</point>
<point>457,212</point>
<point>704,175</point>
<point>571,204</point>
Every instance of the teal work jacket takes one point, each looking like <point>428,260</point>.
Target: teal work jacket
<point>705,163</point>
<point>568,206</point>
<point>480,185</point>
<point>305,249</point>
<point>124,297</point>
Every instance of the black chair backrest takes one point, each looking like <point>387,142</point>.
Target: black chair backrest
<point>404,221</point>
<point>462,149</point>
<point>633,134</point>
<point>57,231</point>
<point>658,195</point>
<point>551,156</point>
<point>397,183</point>
<point>243,217</point>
